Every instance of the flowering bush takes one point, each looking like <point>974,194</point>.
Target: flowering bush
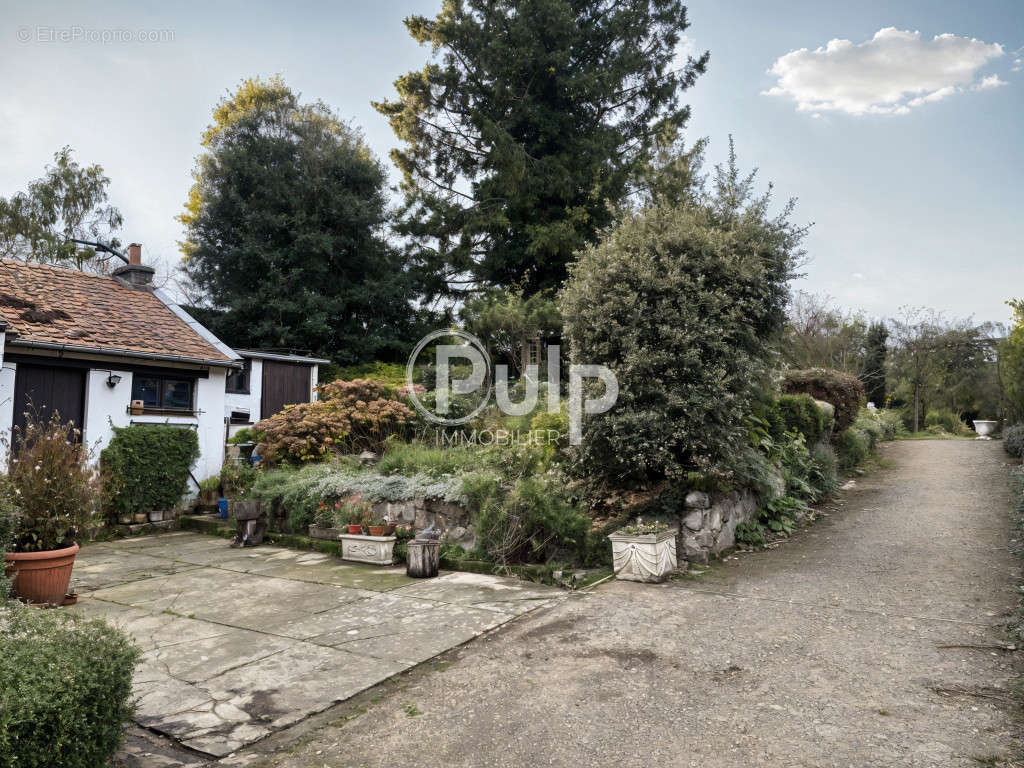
<point>350,416</point>
<point>640,528</point>
<point>56,492</point>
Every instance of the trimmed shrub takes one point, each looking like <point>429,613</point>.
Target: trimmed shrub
<point>799,413</point>
<point>680,302</point>
<point>1013,440</point>
<point>946,419</point>
<point>147,467</point>
<point>350,416</point>
<point>852,447</point>
<point>845,392</point>
<point>67,689</point>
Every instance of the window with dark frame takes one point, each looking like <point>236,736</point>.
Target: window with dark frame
<point>237,382</point>
<point>170,393</point>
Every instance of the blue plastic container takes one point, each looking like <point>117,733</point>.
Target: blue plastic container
<point>222,505</point>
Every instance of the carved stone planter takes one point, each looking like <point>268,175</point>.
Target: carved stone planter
<point>984,429</point>
<point>367,549</point>
<point>320,532</point>
<point>650,557</point>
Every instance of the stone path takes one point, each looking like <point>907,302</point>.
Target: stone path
<point>239,644</point>
<point>862,642</point>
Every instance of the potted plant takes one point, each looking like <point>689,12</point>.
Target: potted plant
<point>376,526</point>
<point>644,551</point>
<point>209,489</point>
<point>57,495</point>
<point>353,513</point>
<point>324,522</point>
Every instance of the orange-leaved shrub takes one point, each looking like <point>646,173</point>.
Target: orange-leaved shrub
<point>350,416</point>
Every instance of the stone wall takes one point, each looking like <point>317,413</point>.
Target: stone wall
<point>708,523</point>
<point>455,522</point>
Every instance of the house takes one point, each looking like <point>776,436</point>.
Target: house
<point>266,383</point>
<point>88,345</point>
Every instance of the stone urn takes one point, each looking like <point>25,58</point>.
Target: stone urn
<point>647,557</point>
<point>984,429</point>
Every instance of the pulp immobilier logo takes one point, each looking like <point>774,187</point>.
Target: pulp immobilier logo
<point>483,380</point>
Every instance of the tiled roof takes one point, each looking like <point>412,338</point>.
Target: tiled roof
<point>43,303</point>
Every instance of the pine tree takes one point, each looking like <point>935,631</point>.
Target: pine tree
<point>531,121</point>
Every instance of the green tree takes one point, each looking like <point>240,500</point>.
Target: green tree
<point>530,119</point>
<point>1011,365</point>
<point>819,334</point>
<point>681,302</point>
<point>284,231</point>
<point>873,371</point>
<point>69,201</point>
<point>504,320</point>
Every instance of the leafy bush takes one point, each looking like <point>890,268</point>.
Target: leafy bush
<point>826,469</point>
<point>871,429</point>
<point>892,423</point>
<point>679,301</point>
<point>237,479</point>
<point>852,448</point>
<point>1013,440</point>
<point>844,392</point>
<point>56,491</point>
<point>414,458</point>
<point>350,416</point>
<point>533,523</point>
<point>946,419</point>
<point>147,467</point>
<point>67,689</point>
<point>799,413</point>
<point>8,524</point>
<point>391,374</point>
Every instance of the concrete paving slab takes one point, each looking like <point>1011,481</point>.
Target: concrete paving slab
<point>238,644</point>
<point>495,593</point>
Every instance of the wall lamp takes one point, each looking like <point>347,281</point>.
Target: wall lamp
<point>113,380</point>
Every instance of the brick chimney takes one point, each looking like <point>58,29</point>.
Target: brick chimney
<point>135,274</point>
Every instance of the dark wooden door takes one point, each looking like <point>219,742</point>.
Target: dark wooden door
<point>283,384</point>
<point>43,390</point>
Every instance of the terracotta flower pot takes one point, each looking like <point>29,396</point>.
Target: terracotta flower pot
<point>377,530</point>
<point>355,530</point>
<point>41,577</point>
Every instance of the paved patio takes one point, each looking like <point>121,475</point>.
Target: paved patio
<point>240,643</point>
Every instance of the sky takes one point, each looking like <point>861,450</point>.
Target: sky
<point>896,125</point>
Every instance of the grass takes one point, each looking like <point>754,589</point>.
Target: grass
<point>925,435</point>
<point>414,458</point>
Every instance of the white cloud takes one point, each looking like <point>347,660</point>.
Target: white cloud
<point>992,81</point>
<point>891,73</point>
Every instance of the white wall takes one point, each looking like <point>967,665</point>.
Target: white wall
<point>249,402</point>
<point>6,399</point>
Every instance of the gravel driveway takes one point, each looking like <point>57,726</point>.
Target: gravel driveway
<point>826,651</point>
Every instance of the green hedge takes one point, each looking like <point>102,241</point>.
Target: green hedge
<point>799,413</point>
<point>146,467</point>
<point>66,689</point>
<point>845,392</point>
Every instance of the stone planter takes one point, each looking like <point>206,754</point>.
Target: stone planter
<point>141,517</point>
<point>41,577</point>
<point>984,429</point>
<point>649,557</point>
<point>156,515</point>
<point>319,532</point>
<point>367,549</point>
<point>422,558</point>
